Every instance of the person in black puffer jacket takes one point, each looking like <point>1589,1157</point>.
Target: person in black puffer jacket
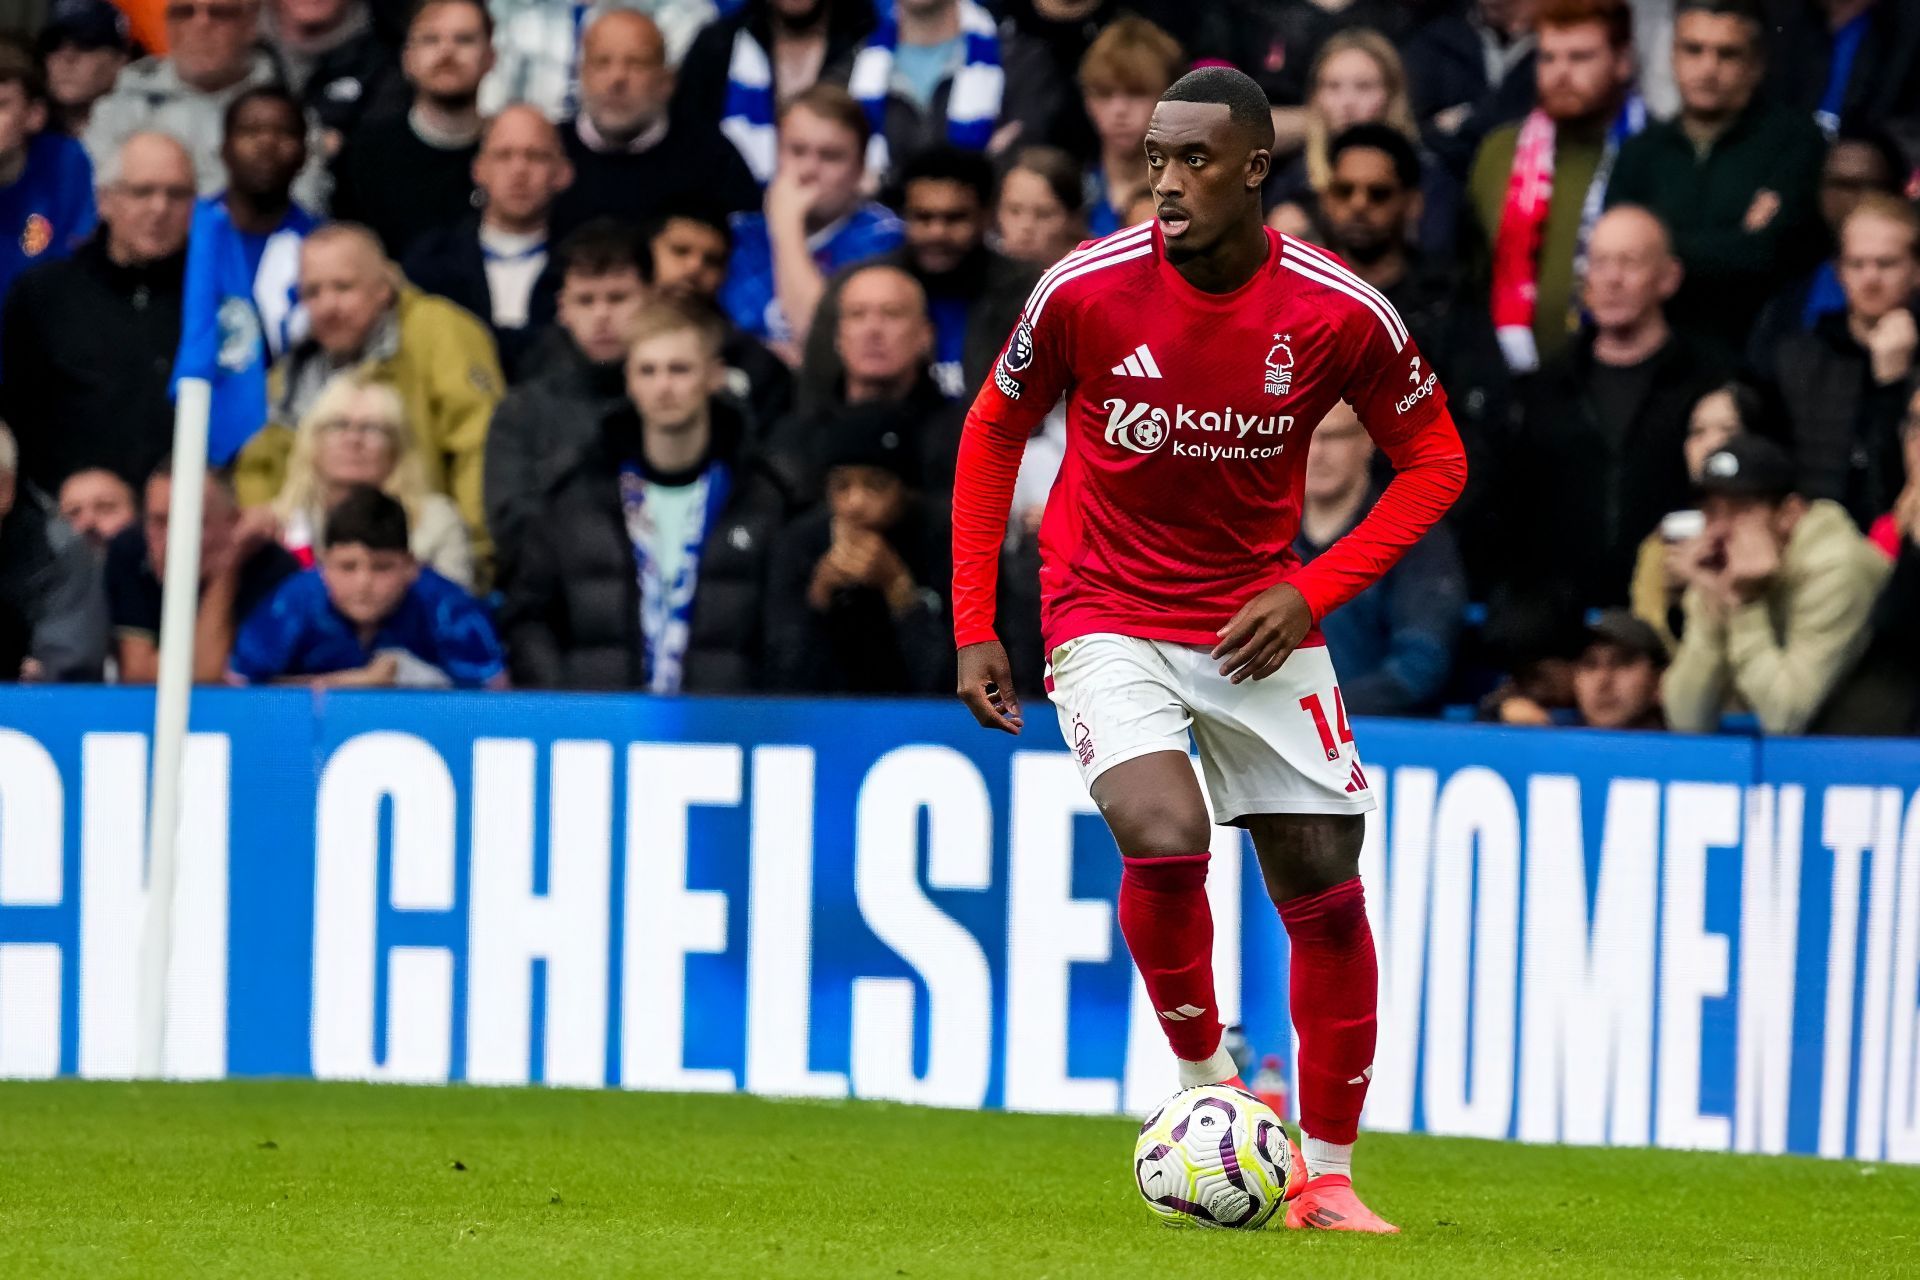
<point>646,567</point>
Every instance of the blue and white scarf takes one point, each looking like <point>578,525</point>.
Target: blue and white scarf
<point>1628,124</point>
<point>666,607</point>
<point>973,101</point>
<point>748,118</point>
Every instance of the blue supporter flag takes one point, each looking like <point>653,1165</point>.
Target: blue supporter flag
<point>242,301</point>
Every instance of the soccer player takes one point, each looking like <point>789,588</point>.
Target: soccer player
<point>1197,352</point>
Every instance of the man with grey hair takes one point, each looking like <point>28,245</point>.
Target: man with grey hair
<point>53,608</point>
<point>212,59</point>
<point>89,341</point>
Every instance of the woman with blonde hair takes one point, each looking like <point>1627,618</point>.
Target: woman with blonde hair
<point>1358,78</point>
<point>356,434</point>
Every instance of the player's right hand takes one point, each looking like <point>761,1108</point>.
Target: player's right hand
<point>986,686</point>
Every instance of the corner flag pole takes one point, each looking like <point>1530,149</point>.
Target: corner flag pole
<point>179,606</point>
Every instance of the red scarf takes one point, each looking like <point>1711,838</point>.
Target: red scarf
<point>1516,249</point>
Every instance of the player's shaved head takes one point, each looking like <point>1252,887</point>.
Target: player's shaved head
<point>1238,92</point>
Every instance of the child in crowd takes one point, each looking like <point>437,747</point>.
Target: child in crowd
<point>369,615</point>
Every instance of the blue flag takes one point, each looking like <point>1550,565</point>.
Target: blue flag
<point>242,299</point>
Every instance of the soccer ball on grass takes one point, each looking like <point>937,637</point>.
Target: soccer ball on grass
<point>1212,1156</point>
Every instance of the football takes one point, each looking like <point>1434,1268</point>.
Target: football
<point>1212,1156</point>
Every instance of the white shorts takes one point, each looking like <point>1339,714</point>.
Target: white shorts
<point>1278,745</point>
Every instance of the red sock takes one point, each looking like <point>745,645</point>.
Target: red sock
<point>1168,926</point>
<point>1334,992</point>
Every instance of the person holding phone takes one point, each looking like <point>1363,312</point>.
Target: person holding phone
<point>1663,569</point>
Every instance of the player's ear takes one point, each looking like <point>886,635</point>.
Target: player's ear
<point>1259,164</point>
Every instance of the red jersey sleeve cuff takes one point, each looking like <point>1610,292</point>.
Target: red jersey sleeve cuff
<point>962,637</point>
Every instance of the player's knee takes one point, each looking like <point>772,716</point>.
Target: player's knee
<point>1154,832</point>
<point>1305,854</point>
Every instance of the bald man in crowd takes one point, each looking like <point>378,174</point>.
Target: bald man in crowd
<point>1599,461</point>
<point>884,339</point>
<point>89,340</point>
<point>363,314</point>
<point>630,159</point>
<point>494,262</point>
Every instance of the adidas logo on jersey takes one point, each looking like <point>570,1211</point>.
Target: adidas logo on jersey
<point>1138,365</point>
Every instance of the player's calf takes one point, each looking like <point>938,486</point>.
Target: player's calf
<point>1159,820</point>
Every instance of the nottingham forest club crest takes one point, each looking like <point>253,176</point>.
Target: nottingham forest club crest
<point>1280,365</point>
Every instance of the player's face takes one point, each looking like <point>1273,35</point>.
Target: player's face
<point>364,584</point>
<point>1202,173</point>
<point>869,498</point>
<point>1614,688</point>
<point>1367,209</point>
<point>1879,265</point>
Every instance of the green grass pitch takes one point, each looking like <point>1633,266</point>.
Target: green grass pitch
<point>299,1179</point>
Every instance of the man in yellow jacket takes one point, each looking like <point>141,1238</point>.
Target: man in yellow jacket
<point>438,357</point>
<point>1780,598</point>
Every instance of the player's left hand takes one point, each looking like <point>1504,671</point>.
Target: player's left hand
<point>1263,634</point>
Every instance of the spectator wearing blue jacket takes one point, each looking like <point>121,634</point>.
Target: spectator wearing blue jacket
<point>369,615</point>
<point>816,221</point>
<point>1393,644</point>
<point>46,181</point>
<point>243,266</point>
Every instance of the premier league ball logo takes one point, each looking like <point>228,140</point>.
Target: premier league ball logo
<point>1020,350</point>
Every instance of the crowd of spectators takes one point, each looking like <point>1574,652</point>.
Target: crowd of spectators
<point>627,346</point>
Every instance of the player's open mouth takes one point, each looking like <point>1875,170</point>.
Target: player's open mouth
<point>1172,222</point>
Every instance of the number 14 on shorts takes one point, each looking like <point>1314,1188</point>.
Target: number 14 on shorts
<point>1312,705</point>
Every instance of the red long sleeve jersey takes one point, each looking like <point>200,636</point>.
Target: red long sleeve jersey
<point>1188,416</point>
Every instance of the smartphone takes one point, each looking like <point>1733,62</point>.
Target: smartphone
<point>1680,526</point>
